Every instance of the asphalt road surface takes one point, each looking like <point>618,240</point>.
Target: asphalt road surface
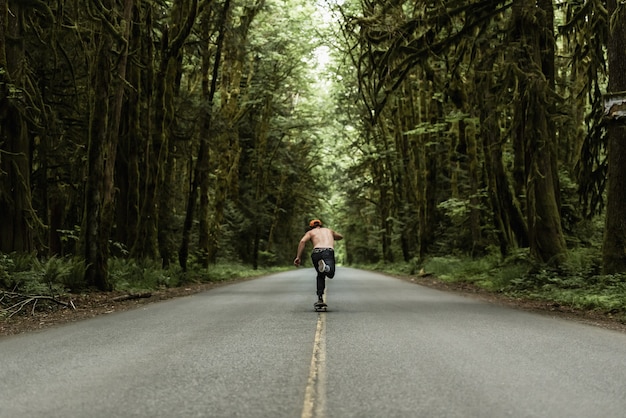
<point>386,348</point>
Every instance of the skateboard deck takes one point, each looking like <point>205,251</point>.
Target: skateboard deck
<point>320,307</point>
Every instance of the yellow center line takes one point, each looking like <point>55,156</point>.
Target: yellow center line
<point>315,394</point>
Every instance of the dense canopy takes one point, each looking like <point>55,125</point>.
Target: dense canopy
<point>194,131</point>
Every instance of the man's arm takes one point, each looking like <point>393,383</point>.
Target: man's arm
<point>337,236</point>
<point>301,246</point>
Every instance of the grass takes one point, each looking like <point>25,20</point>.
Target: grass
<point>576,284</point>
<point>29,275</point>
<point>28,283</point>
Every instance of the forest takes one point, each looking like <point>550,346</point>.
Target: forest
<point>189,133</point>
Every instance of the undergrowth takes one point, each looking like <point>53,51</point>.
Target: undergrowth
<point>28,274</point>
<point>28,283</point>
<point>578,283</point>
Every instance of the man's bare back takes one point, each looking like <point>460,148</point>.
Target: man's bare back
<point>320,237</point>
<point>323,237</point>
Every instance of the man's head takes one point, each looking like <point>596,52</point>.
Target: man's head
<point>315,223</point>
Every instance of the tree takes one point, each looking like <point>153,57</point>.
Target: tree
<point>105,115</point>
<point>532,34</point>
<point>614,247</point>
<point>284,116</point>
<point>19,222</point>
<point>226,142</point>
<point>200,180</point>
<point>129,121</point>
<point>446,49</point>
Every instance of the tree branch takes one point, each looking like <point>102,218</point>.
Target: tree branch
<point>19,301</point>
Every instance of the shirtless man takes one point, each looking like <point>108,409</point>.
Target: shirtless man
<point>323,255</point>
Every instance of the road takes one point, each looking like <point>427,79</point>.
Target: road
<point>386,348</point>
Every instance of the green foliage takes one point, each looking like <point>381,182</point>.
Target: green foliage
<point>74,280</point>
<point>22,262</point>
<point>54,270</point>
<point>27,274</point>
<point>125,274</point>
<point>308,144</point>
<point>227,271</point>
<point>445,268</point>
<point>577,284</point>
<point>605,293</point>
<point>6,266</point>
<point>22,273</point>
<point>456,209</point>
<point>69,235</point>
<point>29,282</point>
<point>486,272</point>
<point>267,259</point>
<point>130,275</point>
<point>57,275</point>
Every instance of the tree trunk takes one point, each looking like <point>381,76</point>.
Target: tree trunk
<point>474,173</point>
<point>108,87</point>
<point>143,243</point>
<point>403,190</point>
<point>17,217</point>
<point>533,29</point>
<point>153,240</point>
<point>614,246</point>
<point>506,213</point>
<point>118,89</point>
<point>419,158</point>
<point>96,251</point>
<point>428,163</point>
<point>146,245</point>
<point>132,137</point>
<point>200,180</point>
<point>227,148</point>
<point>184,16</point>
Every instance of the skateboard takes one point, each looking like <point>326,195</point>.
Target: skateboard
<point>320,307</point>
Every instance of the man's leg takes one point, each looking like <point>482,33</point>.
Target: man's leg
<point>329,259</point>
<point>321,285</point>
<point>321,276</point>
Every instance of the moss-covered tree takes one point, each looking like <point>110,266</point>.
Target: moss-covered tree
<point>614,246</point>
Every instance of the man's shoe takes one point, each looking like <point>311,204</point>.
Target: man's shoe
<point>323,267</point>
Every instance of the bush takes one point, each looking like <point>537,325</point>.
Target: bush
<point>576,283</point>
<point>125,274</point>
